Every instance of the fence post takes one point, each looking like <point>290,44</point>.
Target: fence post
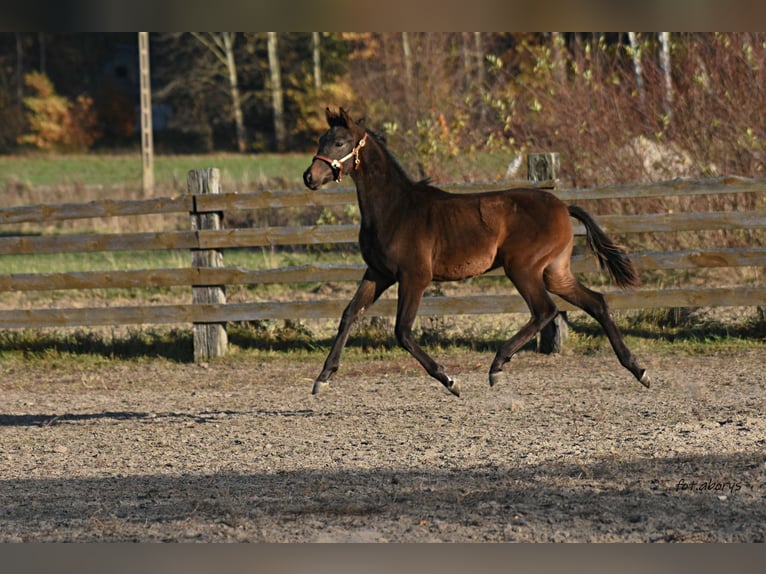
<point>210,339</point>
<point>545,167</point>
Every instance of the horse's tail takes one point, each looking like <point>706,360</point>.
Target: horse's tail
<point>611,257</point>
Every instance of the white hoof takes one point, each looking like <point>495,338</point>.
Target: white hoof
<point>319,386</point>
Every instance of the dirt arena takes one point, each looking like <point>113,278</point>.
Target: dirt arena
<point>566,448</point>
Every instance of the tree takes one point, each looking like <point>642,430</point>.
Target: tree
<point>665,66</point>
<point>316,60</point>
<point>635,54</point>
<point>277,94</point>
<point>481,74</point>
<point>407,55</point>
<point>54,121</point>
<point>221,45</point>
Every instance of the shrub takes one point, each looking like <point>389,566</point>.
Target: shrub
<point>55,122</point>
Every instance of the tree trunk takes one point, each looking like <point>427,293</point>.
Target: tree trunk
<point>317,62</point>
<point>231,68</point>
<point>665,66</point>
<point>19,72</point>
<point>559,66</point>
<point>277,96</point>
<point>407,58</point>
<point>41,42</point>
<point>467,61</point>
<point>222,47</point>
<point>635,53</point>
<point>480,73</point>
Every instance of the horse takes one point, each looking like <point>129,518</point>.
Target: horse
<point>413,233</point>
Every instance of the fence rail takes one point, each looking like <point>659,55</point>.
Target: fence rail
<point>203,276</point>
<point>197,276</point>
<point>233,202</point>
<point>329,234</point>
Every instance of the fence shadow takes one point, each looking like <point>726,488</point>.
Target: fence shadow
<point>638,501</point>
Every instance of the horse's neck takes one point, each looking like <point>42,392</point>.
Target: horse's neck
<point>381,189</point>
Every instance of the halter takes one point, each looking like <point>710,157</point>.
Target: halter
<point>336,165</point>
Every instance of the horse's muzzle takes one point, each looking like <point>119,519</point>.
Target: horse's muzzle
<point>312,180</point>
<point>317,174</point>
<point>309,180</point>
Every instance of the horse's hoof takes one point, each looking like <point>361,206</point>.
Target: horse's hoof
<point>319,386</point>
<point>453,387</point>
<point>645,380</point>
<point>494,378</point>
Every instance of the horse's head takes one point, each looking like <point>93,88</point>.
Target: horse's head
<point>338,150</point>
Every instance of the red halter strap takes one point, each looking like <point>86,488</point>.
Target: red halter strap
<point>337,164</point>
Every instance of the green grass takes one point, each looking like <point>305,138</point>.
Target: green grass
<point>285,170</point>
<point>259,340</point>
<point>257,258</point>
<point>99,261</point>
<point>118,169</point>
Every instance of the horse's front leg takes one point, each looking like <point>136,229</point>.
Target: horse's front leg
<point>410,295</point>
<point>370,288</point>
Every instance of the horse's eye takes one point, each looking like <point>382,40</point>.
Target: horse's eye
<point>339,144</point>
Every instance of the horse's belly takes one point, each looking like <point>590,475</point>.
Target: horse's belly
<point>462,268</point>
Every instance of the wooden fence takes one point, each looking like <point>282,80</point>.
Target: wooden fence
<point>208,274</point>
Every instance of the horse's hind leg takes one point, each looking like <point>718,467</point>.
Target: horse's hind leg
<point>543,310</point>
<point>566,286</point>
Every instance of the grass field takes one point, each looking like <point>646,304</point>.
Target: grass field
<point>237,170</point>
<point>125,169</point>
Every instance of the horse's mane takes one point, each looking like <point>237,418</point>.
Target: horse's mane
<point>381,139</point>
<point>337,120</point>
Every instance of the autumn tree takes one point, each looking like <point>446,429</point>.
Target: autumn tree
<point>55,122</point>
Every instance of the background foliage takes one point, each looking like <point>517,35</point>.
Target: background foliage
<point>442,99</point>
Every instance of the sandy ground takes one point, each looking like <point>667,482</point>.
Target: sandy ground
<point>566,448</point>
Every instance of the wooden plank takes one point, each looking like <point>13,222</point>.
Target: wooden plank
<point>146,278</point>
<point>613,224</point>
<point>344,196</point>
<point>272,236</point>
<point>697,258</point>
<point>673,222</point>
<point>330,197</point>
<point>53,212</point>
<point>469,305</point>
<point>203,239</point>
<point>142,278</point>
<point>671,188</point>
<point>320,234</point>
<point>233,202</point>
<point>84,243</point>
<point>193,276</point>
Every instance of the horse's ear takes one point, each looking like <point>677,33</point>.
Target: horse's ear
<point>332,117</point>
<point>346,117</point>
